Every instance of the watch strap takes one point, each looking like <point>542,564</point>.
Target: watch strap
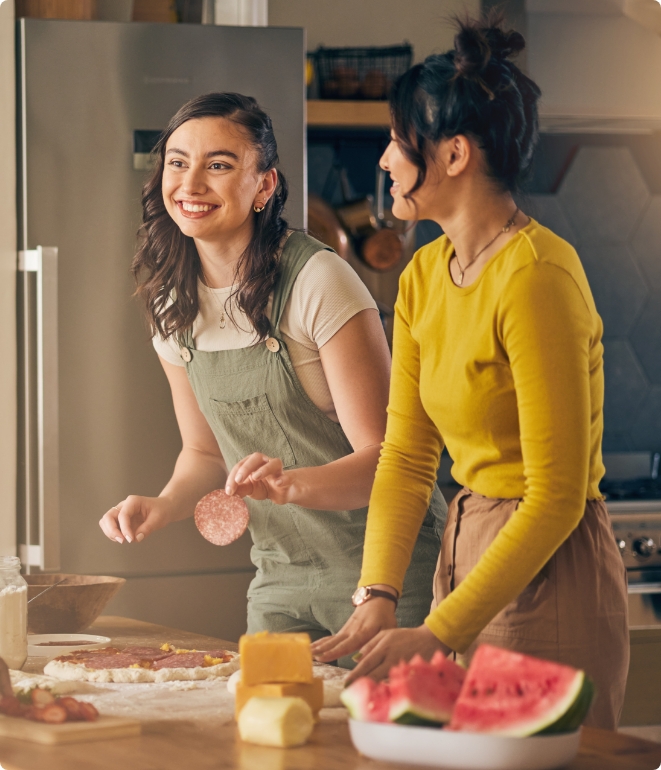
<point>382,594</point>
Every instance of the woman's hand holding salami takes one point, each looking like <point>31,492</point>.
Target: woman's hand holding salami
<point>136,517</point>
<point>262,477</point>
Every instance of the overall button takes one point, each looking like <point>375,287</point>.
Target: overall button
<point>272,344</point>
<point>185,354</point>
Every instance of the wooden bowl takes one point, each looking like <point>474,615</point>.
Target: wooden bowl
<point>70,607</point>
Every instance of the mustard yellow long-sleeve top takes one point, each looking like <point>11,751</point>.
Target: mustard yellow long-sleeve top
<point>508,372</point>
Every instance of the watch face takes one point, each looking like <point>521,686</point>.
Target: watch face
<point>360,596</point>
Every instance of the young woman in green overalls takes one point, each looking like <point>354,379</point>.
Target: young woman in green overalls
<point>278,367</point>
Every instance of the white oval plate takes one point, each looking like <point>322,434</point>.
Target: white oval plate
<point>52,652</point>
<point>432,747</point>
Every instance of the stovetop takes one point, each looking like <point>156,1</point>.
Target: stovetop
<point>631,489</point>
<point>638,535</point>
<point>633,500</point>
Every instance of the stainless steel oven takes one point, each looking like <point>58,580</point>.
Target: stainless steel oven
<point>633,498</point>
<point>637,528</point>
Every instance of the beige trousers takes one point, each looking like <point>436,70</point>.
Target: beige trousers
<point>575,611</point>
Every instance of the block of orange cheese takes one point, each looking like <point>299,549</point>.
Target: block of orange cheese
<point>269,658</point>
<point>311,692</point>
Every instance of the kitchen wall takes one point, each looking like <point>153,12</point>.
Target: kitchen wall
<point>7,286</point>
<point>600,66</point>
<point>372,22</point>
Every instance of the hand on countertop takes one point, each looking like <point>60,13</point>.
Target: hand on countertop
<point>388,648</point>
<point>366,622</point>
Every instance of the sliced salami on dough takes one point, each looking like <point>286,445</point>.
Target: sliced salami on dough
<point>92,653</point>
<point>183,660</point>
<point>108,661</point>
<point>191,659</point>
<point>147,653</point>
<point>144,664</point>
<point>220,518</point>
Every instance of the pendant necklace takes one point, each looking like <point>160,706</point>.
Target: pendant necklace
<point>222,323</point>
<point>505,229</point>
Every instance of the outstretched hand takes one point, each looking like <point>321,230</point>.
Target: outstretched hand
<point>261,477</point>
<point>135,518</point>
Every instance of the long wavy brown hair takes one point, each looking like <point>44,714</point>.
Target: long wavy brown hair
<point>167,266</point>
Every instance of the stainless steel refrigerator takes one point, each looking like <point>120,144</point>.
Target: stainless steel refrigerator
<point>95,415</point>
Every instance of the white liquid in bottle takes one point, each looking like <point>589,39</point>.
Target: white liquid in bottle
<point>13,613</point>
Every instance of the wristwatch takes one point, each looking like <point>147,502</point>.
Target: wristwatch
<point>365,593</point>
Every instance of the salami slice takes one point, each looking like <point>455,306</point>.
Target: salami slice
<point>146,653</point>
<point>120,660</point>
<point>219,654</point>
<point>182,660</point>
<point>189,659</point>
<point>89,653</point>
<point>220,518</point>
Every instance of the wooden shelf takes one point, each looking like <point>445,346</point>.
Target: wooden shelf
<point>347,114</point>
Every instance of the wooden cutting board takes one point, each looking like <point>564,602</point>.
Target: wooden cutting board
<point>68,732</point>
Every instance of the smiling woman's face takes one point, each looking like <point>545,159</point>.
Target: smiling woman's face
<point>425,202</point>
<point>210,178</point>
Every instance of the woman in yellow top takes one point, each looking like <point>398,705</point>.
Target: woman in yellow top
<point>498,356</point>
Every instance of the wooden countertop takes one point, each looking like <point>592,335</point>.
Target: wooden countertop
<point>172,745</point>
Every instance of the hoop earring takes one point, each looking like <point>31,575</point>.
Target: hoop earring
<point>257,209</point>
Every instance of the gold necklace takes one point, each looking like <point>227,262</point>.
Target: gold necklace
<point>222,323</point>
<point>505,229</point>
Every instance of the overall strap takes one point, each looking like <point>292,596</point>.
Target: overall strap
<point>296,252</point>
<point>186,338</point>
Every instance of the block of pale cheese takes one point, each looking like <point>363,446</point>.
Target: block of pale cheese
<point>311,692</point>
<point>279,722</point>
<point>269,658</point>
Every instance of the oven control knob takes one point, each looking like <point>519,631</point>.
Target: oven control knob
<point>643,546</point>
<point>622,544</point>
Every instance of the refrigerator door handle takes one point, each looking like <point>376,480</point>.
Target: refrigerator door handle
<point>46,555</point>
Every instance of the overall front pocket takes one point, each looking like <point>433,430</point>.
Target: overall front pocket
<point>250,426</point>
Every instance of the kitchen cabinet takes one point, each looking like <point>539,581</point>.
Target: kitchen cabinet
<point>172,744</point>
<point>642,702</point>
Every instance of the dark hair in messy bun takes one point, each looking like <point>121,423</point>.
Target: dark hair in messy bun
<point>475,91</point>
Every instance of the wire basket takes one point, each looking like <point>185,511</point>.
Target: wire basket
<point>360,73</point>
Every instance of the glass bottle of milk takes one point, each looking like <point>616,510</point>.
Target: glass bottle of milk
<point>13,612</point>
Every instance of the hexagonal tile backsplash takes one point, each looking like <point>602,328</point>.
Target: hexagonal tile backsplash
<point>604,208</point>
<point>618,286</point>
<point>646,243</point>
<point>603,194</point>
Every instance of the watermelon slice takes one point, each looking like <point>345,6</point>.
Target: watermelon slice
<point>366,700</point>
<point>424,693</point>
<point>506,693</point>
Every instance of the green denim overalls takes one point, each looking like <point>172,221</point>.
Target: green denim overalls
<point>308,562</point>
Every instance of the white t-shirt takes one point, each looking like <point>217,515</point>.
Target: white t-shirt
<point>326,293</point>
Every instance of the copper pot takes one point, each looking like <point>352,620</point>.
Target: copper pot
<point>324,224</point>
<point>383,248</point>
